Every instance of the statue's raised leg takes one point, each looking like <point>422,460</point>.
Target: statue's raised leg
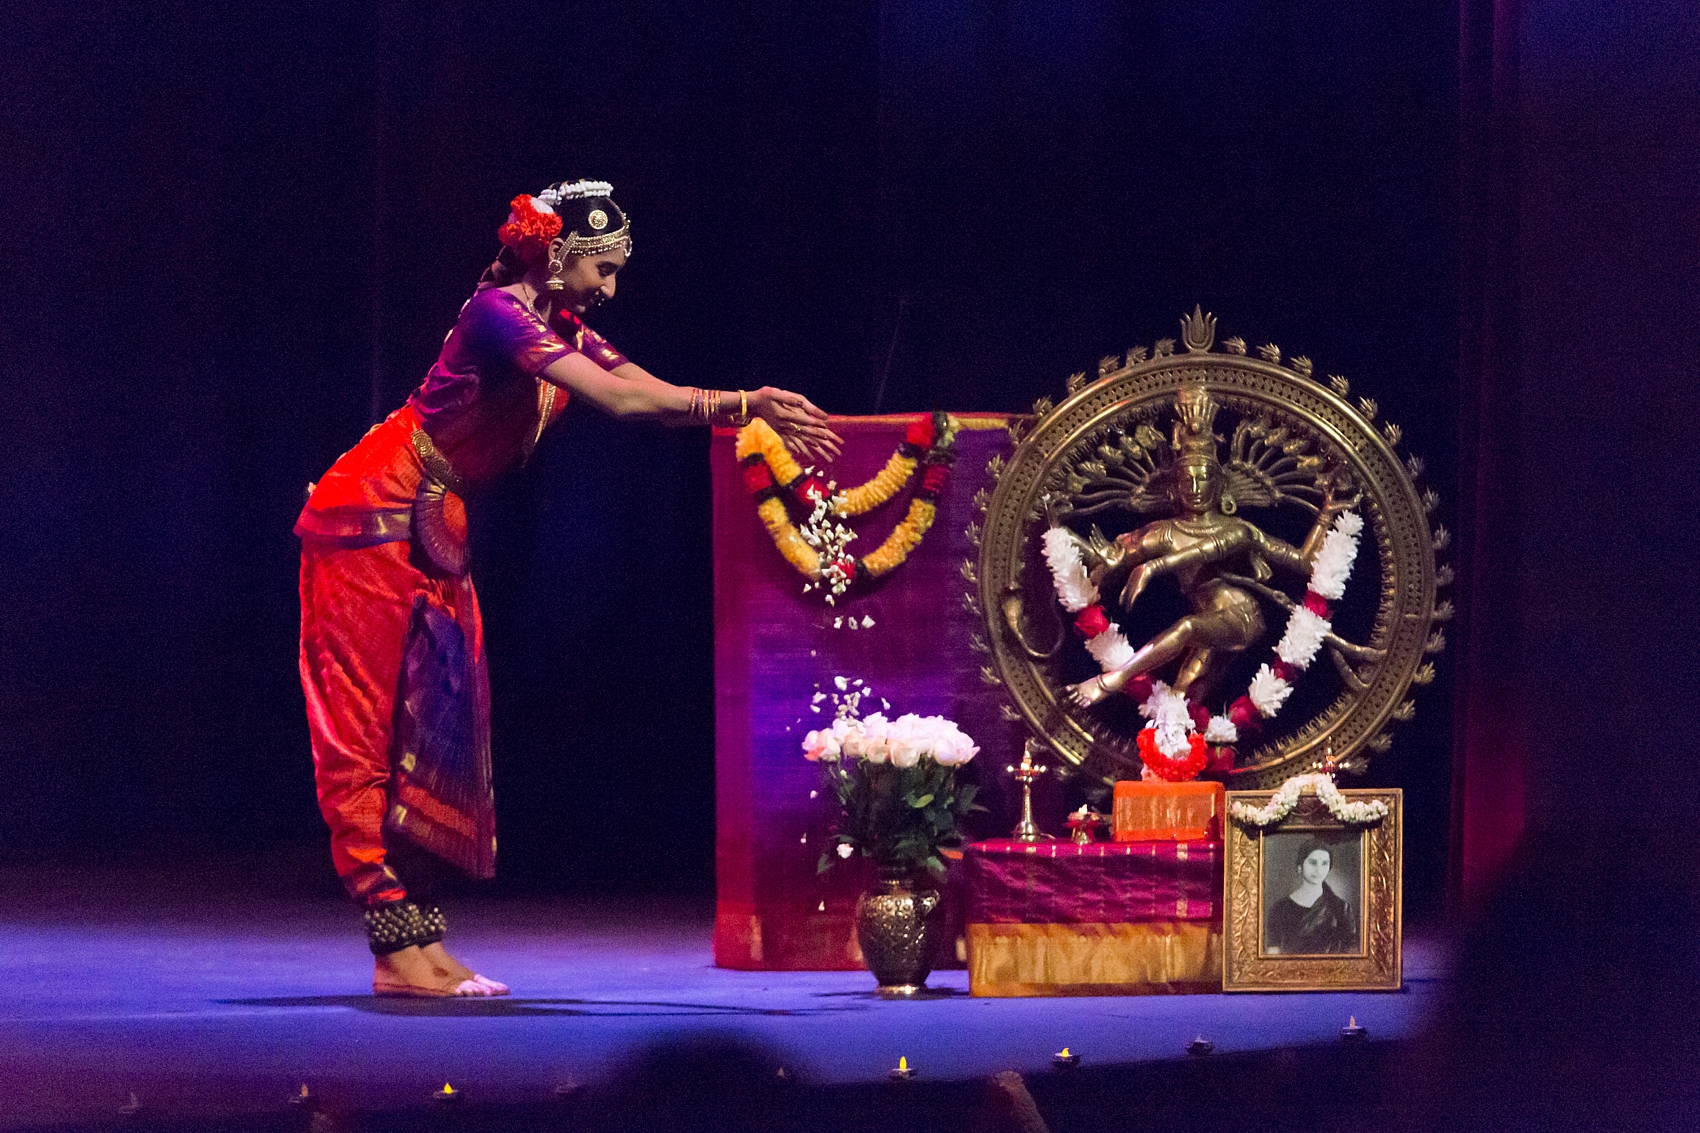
<point>1160,650</point>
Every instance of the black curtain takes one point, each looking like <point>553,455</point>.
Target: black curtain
<point>235,235</point>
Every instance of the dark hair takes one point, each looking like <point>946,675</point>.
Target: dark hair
<point>1310,848</point>
<point>574,212</point>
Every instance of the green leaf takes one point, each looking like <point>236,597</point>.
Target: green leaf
<point>920,802</point>
<point>824,864</point>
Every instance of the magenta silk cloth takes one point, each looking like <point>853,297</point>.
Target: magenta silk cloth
<point>1013,882</point>
<point>775,647</point>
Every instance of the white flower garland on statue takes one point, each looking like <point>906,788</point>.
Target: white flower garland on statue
<point>1319,783</point>
<point>1306,628</point>
<point>1166,709</point>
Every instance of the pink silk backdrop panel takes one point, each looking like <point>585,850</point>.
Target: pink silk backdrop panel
<point>1102,883</point>
<point>776,646</point>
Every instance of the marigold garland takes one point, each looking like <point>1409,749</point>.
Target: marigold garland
<point>772,477</point>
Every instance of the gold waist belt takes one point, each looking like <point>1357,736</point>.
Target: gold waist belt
<point>437,465</point>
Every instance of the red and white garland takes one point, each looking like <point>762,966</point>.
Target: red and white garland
<point>1174,744</point>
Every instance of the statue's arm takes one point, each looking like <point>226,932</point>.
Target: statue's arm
<point>1229,541</point>
<point>1149,542</point>
<point>1301,558</point>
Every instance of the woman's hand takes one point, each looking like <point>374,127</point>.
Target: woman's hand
<point>798,421</point>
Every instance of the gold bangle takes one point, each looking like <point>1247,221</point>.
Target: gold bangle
<point>743,409</point>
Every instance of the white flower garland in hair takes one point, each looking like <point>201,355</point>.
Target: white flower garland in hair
<point>576,191</point>
<point>1319,783</point>
<point>1301,641</point>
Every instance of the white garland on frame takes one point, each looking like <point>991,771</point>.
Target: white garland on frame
<point>1319,783</point>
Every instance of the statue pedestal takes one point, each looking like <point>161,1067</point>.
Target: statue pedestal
<point>1168,812</point>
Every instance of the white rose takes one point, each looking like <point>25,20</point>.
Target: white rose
<point>907,740</point>
<point>868,739</point>
<point>951,747</point>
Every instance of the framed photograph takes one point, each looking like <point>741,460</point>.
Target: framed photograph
<point>1314,903</point>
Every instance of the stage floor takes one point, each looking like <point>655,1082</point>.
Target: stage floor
<point>224,1006</point>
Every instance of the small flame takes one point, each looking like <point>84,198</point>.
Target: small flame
<point>303,1089</point>
<point>902,1062</point>
<point>1064,1052</point>
<point>1351,1020</point>
<point>448,1089</point>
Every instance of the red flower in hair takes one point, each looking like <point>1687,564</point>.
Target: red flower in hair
<point>528,229</point>
<point>1092,622</point>
<point>920,433</point>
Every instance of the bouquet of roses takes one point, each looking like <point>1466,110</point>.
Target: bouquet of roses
<point>895,781</point>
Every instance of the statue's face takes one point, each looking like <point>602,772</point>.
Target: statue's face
<point>1199,486</point>
<point>1316,865</point>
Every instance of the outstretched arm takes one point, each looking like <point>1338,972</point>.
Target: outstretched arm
<point>630,391</point>
<point>1299,559</point>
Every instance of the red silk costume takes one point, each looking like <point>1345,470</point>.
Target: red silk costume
<point>392,649</point>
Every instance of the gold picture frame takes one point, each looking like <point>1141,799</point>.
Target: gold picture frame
<point>1357,889</point>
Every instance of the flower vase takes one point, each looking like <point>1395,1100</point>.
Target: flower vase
<point>897,926</point>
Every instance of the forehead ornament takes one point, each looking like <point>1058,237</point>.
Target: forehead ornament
<point>598,219</point>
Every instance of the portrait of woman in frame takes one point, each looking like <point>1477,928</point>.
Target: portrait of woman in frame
<point>1313,902</point>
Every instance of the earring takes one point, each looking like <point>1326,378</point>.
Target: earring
<point>556,265</point>
<point>1227,504</point>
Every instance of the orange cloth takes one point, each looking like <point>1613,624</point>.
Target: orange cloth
<point>1168,812</point>
<point>356,607</point>
<point>1153,958</point>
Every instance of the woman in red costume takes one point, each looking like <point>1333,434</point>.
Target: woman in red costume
<point>392,651</point>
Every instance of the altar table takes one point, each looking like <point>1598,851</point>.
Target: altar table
<point>1106,918</point>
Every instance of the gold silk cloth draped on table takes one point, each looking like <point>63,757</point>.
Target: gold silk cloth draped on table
<point>1108,918</point>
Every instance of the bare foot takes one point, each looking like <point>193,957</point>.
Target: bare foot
<point>1089,692</point>
<point>409,972</point>
<point>447,965</point>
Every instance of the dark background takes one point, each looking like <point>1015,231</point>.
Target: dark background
<point>235,236</point>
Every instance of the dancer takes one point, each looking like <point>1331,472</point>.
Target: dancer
<point>392,651</point>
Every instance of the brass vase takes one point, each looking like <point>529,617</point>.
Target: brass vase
<point>897,926</point>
